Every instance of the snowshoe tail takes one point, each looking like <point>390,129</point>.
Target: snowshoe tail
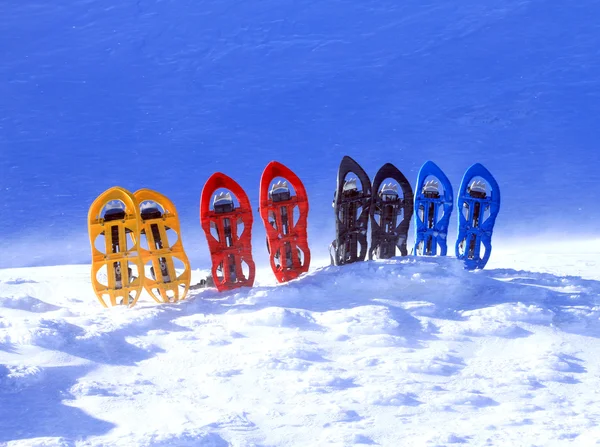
<point>230,246</point>
<point>478,204</point>
<point>390,213</point>
<point>351,205</point>
<point>114,231</point>
<point>433,207</point>
<point>286,237</point>
<point>162,248</point>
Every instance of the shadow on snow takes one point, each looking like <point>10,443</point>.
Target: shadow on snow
<point>39,411</point>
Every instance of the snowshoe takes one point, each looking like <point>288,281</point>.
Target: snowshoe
<point>390,213</point>
<point>351,205</point>
<point>228,230</point>
<point>114,231</point>
<point>162,248</point>
<point>433,207</point>
<point>285,218</point>
<point>478,205</point>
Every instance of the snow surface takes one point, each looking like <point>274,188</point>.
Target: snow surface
<point>404,352</point>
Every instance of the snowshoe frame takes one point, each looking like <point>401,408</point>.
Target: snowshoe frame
<point>284,237</point>
<point>386,234</point>
<point>432,214</point>
<point>165,285</point>
<point>474,227</point>
<point>230,250</point>
<point>351,216</point>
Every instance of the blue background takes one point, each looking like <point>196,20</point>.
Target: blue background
<point>161,94</point>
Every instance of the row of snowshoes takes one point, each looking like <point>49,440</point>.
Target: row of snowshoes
<point>389,203</point>
<point>136,242</point>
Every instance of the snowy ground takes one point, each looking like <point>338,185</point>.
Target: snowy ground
<point>406,352</point>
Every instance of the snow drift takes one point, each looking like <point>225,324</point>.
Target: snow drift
<point>399,352</point>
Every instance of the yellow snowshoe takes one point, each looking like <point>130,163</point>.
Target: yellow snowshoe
<point>114,230</point>
<point>161,248</point>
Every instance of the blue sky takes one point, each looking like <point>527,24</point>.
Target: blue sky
<point>161,94</point>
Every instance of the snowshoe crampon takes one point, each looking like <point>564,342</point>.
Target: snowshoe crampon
<point>433,207</point>
<point>478,205</point>
<point>391,210</point>
<point>226,218</point>
<point>161,248</point>
<point>114,231</point>
<point>284,211</point>
<point>351,204</point>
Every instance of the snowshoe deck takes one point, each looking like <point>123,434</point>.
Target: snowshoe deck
<point>114,230</point>
<point>351,205</point>
<point>478,205</point>
<point>161,230</point>
<point>230,246</point>
<point>390,213</point>
<point>286,236</point>
<point>433,207</point>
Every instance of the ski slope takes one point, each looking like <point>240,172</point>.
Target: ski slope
<point>402,352</point>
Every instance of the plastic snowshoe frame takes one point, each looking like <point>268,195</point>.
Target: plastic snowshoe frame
<point>474,229</point>
<point>230,250</point>
<point>351,215</point>
<point>432,214</point>
<point>121,287</point>
<point>165,285</point>
<point>284,238</point>
<point>395,215</point>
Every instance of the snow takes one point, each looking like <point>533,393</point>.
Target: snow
<point>402,352</point>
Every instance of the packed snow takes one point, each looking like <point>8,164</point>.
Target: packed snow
<point>402,352</point>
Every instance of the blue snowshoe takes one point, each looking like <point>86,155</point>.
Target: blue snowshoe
<point>478,205</point>
<point>433,207</point>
